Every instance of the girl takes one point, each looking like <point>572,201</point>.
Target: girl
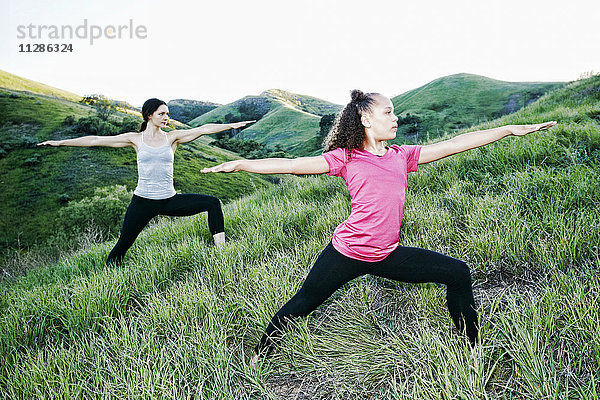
<point>155,194</point>
<point>367,242</point>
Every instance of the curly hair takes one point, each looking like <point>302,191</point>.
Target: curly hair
<point>348,131</point>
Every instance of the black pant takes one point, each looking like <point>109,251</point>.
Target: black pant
<point>141,211</point>
<point>406,264</point>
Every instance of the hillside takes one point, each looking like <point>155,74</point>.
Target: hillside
<point>460,101</point>
<point>38,182</point>
<point>444,105</point>
<point>283,118</point>
<point>180,318</point>
<point>14,82</point>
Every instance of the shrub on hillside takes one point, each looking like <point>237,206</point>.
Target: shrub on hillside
<point>104,211</point>
<point>325,125</point>
<point>95,126</point>
<point>251,111</point>
<point>33,160</point>
<point>129,124</point>
<point>69,120</point>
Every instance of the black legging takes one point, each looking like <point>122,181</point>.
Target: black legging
<point>406,264</point>
<point>141,211</point>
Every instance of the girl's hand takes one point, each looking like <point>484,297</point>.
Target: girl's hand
<point>229,166</point>
<point>520,130</point>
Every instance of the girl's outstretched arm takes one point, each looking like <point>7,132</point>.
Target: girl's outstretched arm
<point>187,135</point>
<point>122,140</point>
<point>472,140</point>
<point>298,166</point>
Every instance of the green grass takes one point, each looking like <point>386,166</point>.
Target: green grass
<point>180,318</point>
<point>14,82</point>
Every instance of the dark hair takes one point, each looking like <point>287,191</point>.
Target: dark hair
<point>148,109</point>
<point>348,131</point>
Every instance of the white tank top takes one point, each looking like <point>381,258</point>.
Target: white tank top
<point>155,171</point>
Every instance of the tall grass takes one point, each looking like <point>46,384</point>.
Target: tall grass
<point>180,318</point>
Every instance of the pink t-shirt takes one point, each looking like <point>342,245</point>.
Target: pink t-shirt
<point>377,186</point>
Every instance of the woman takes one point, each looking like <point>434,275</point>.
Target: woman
<point>367,242</point>
<point>155,194</point>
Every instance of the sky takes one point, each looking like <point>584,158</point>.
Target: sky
<point>224,50</point>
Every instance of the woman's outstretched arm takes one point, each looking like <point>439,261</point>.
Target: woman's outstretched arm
<point>472,140</point>
<point>187,135</point>
<point>298,166</point>
<point>122,140</point>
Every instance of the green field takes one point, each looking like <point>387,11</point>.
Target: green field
<point>180,318</point>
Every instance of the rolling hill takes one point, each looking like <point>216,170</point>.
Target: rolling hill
<point>460,101</point>
<point>441,106</point>
<point>284,118</point>
<point>14,82</point>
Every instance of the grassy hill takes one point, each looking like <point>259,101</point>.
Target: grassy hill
<point>37,182</point>
<point>14,82</point>
<point>462,100</point>
<point>444,105</point>
<point>284,118</point>
<point>180,318</point>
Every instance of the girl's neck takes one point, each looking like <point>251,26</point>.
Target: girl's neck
<point>375,147</point>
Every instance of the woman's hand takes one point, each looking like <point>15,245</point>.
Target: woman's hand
<point>229,166</point>
<point>521,130</point>
<point>50,143</point>
<point>238,125</point>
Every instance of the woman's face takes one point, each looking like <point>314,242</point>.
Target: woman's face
<point>381,123</point>
<point>160,117</point>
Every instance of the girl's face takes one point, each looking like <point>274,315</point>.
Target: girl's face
<point>381,123</point>
<point>160,117</point>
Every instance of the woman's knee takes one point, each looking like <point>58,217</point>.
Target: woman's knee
<point>214,204</point>
<point>462,274</point>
